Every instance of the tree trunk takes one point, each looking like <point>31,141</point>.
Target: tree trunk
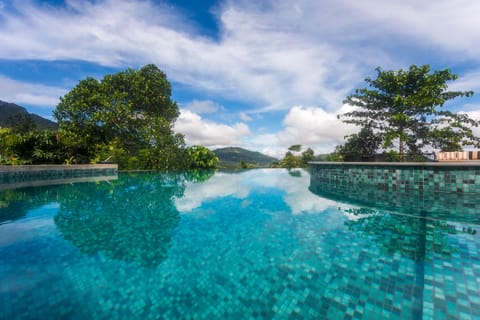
<point>401,150</point>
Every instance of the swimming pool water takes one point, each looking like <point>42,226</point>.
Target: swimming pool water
<point>253,244</point>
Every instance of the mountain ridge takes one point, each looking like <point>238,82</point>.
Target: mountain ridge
<point>9,110</point>
<point>235,157</point>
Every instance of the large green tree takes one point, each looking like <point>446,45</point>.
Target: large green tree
<point>129,113</point>
<point>360,146</point>
<point>405,107</point>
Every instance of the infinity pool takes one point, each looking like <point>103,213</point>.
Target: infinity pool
<point>252,244</point>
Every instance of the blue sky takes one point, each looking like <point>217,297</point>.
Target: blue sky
<point>256,74</point>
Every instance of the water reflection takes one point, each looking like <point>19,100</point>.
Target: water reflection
<point>416,224</point>
<point>240,184</point>
<point>15,203</point>
<point>462,207</point>
<point>130,219</point>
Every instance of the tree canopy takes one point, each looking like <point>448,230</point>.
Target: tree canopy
<point>405,107</point>
<point>125,118</point>
<point>290,160</point>
<point>131,110</point>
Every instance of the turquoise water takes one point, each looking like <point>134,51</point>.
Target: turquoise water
<point>254,244</point>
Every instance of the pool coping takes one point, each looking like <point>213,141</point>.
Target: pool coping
<point>47,167</point>
<point>13,177</point>
<point>471,163</point>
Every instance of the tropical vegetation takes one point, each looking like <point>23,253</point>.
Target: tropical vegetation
<point>402,113</point>
<point>126,118</point>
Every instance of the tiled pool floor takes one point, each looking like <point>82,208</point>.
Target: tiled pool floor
<point>247,245</point>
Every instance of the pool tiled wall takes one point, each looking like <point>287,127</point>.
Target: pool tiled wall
<point>461,177</point>
<point>13,176</point>
<point>446,189</point>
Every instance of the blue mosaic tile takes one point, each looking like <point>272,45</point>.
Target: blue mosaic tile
<point>246,245</point>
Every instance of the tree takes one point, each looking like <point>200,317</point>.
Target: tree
<point>307,156</point>
<point>295,147</point>
<point>31,147</point>
<point>129,111</point>
<point>201,157</point>
<point>361,145</point>
<point>405,107</point>
<point>291,161</point>
<point>21,123</point>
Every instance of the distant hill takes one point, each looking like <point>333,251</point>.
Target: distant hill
<point>232,157</point>
<point>9,110</point>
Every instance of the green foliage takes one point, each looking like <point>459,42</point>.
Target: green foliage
<point>126,118</point>
<point>234,158</point>
<point>32,147</point>
<point>200,157</point>
<point>360,146</point>
<point>21,123</point>
<point>307,156</point>
<point>337,155</point>
<point>295,147</point>
<point>291,160</point>
<point>406,108</point>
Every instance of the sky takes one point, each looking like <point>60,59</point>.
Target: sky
<point>262,75</point>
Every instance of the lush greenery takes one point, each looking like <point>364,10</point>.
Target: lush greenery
<point>126,118</point>
<point>402,111</point>
<point>294,158</point>
<point>239,158</point>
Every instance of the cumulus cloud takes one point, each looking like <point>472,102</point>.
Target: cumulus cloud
<point>278,54</point>
<point>29,93</point>
<point>313,126</point>
<point>202,106</point>
<point>209,133</point>
<point>272,55</point>
<point>475,115</point>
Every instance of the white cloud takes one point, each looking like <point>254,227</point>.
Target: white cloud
<point>29,93</point>
<point>240,185</point>
<point>475,115</point>
<point>272,55</point>
<point>244,117</point>
<point>209,133</point>
<point>313,126</point>
<point>467,82</point>
<point>278,54</point>
<point>202,106</point>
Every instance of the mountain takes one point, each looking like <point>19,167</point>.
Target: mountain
<point>232,157</point>
<point>9,110</point>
